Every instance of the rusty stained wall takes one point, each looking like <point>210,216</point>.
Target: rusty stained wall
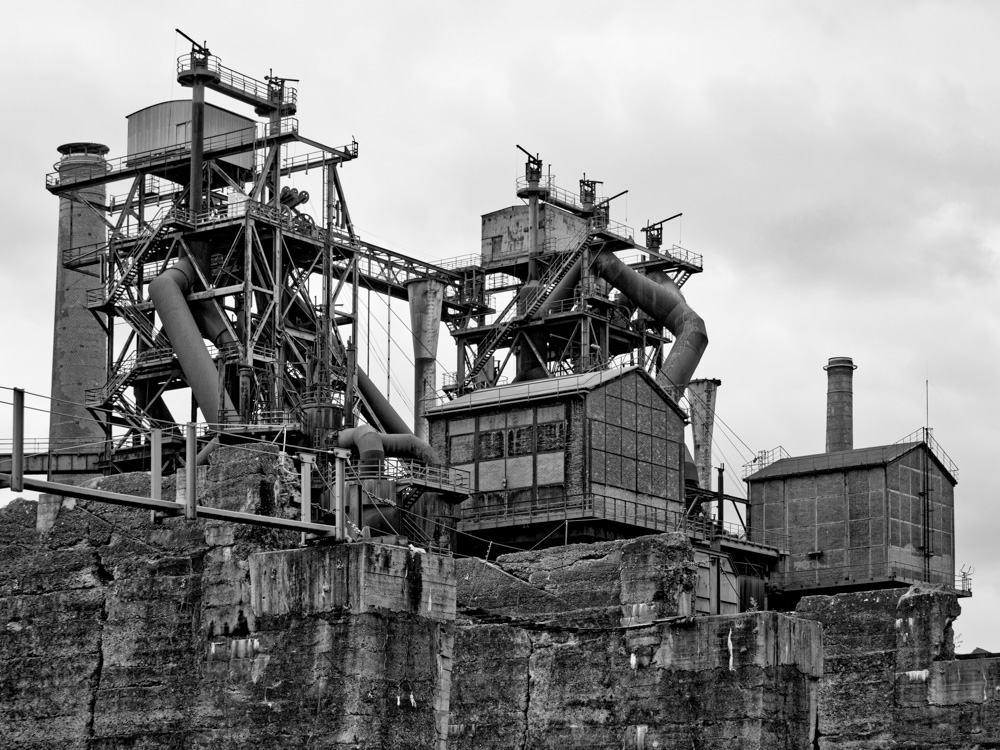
<point>505,232</point>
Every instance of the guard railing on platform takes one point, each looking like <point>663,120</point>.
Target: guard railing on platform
<point>619,510</point>
<point>832,575</point>
<point>251,86</point>
<point>415,472</point>
<point>248,136</point>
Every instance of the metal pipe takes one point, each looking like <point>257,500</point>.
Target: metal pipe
<point>373,446</point>
<point>339,485</point>
<point>305,499</point>
<point>155,469</point>
<point>660,298</point>
<point>167,292</point>
<point>840,404</point>
<point>191,474</point>
<point>701,407</point>
<point>426,298</point>
<point>380,407</point>
<point>17,449</point>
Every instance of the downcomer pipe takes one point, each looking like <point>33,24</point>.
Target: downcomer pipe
<point>659,297</point>
<point>168,292</point>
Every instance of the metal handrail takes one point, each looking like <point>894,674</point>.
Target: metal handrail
<point>609,508</point>
<point>400,470</point>
<point>676,252</point>
<point>250,86</point>
<point>764,459</point>
<point>923,435</point>
<point>888,569</point>
<point>247,136</point>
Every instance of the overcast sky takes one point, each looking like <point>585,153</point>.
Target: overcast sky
<point>837,165</point>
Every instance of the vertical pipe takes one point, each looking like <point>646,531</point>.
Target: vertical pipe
<point>840,404</point>
<point>339,487</point>
<point>191,473</point>
<point>17,449</point>
<point>426,297</point>
<point>722,496</point>
<point>156,468</point>
<point>701,402</point>
<point>306,497</point>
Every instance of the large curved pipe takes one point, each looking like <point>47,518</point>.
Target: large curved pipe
<point>168,293</point>
<point>381,409</point>
<point>659,297</point>
<point>373,446</point>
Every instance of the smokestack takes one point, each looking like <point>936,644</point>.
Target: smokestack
<point>701,404</point>
<point>79,345</point>
<point>840,404</point>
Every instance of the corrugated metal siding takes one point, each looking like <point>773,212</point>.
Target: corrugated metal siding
<point>167,126</point>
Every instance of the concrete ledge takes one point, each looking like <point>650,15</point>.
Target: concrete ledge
<point>357,578</point>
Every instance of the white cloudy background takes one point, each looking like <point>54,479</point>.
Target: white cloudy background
<point>837,165</point>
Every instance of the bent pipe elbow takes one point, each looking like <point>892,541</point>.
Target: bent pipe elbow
<point>659,297</point>
<point>373,446</point>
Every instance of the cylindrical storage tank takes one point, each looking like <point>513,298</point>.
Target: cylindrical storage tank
<point>79,345</point>
<point>840,404</point>
<point>426,300</point>
<point>166,127</point>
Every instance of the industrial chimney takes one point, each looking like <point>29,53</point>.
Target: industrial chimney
<point>840,404</point>
<point>79,350</point>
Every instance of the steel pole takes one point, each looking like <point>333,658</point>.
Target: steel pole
<point>156,468</point>
<point>191,474</point>
<point>17,449</point>
<point>306,497</point>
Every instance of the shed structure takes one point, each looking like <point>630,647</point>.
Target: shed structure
<point>859,519</point>
<point>603,450</point>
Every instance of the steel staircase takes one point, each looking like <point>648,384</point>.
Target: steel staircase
<point>533,299</point>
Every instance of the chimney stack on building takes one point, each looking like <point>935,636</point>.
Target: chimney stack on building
<point>840,404</point>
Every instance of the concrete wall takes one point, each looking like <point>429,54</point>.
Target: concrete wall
<point>596,653</point>
<point>891,678</point>
<point>122,634</point>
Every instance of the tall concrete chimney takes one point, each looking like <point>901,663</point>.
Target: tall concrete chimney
<point>79,345</point>
<point>840,404</point>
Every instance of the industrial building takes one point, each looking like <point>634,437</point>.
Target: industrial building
<point>554,493</point>
<point>566,417</point>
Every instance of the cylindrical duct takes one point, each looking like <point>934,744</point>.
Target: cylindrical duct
<point>840,404</point>
<point>701,403</point>
<point>167,291</point>
<point>79,345</point>
<point>659,297</point>
<point>426,299</point>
